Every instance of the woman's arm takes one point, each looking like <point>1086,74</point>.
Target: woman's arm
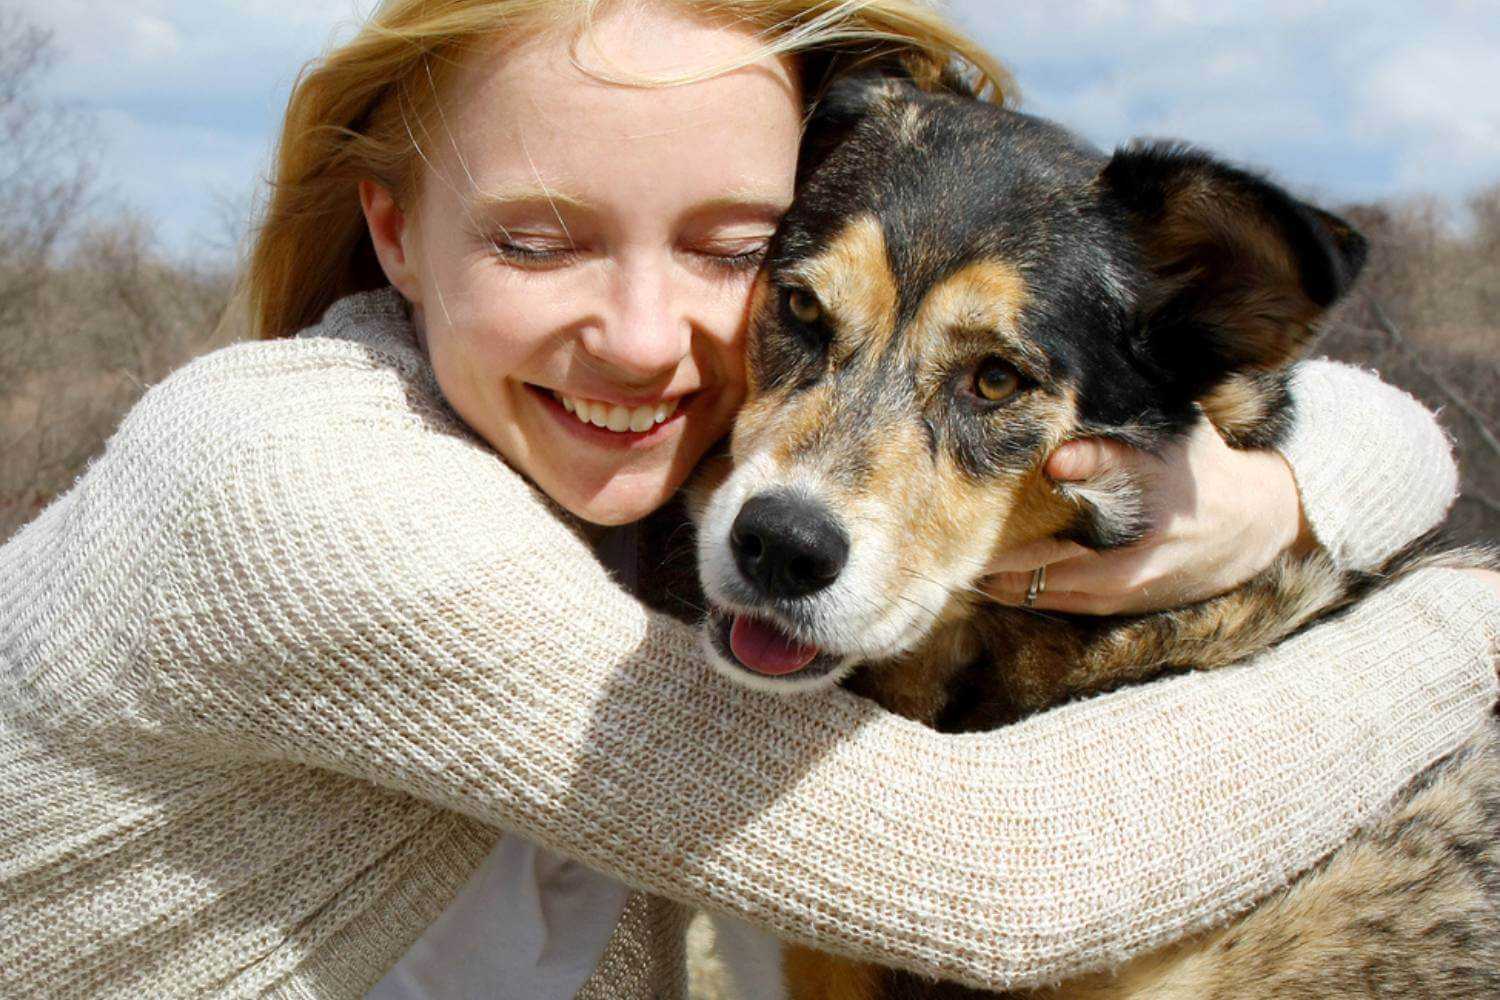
<point>1365,471</point>
<point>1373,467</point>
<point>371,596</point>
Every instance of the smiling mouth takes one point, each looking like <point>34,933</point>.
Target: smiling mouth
<point>615,417</point>
<point>612,425</point>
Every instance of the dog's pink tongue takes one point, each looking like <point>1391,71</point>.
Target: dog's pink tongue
<point>766,649</point>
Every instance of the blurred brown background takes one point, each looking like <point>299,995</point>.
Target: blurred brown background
<point>92,311</point>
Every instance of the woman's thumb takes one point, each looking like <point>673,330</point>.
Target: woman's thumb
<point>1082,459</point>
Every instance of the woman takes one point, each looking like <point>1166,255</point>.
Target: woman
<point>296,665</point>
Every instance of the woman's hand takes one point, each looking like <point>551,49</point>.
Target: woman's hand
<point>1488,577</point>
<point>1219,516</point>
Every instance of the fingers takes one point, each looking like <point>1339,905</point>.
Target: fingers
<point>1006,588</point>
<point>1042,552</point>
<point>1085,458</point>
<point>1488,577</point>
<point>1118,571</point>
<point>1094,583</point>
<point>1003,589</point>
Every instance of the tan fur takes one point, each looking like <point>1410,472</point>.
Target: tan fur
<point>801,429</point>
<point>1201,215</point>
<point>909,124</point>
<point>985,297</point>
<point>854,285</point>
<point>814,975</point>
<point>1236,405</point>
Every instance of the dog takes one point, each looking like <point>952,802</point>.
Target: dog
<point>957,290</point>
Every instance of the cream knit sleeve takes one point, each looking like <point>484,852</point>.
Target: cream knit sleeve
<point>1373,467</point>
<point>356,588</point>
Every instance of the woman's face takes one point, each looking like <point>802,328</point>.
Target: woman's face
<point>581,253</point>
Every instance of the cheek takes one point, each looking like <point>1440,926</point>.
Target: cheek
<point>487,328</point>
<point>720,321</point>
<point>725,316</point>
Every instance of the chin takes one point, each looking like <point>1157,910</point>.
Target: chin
<point>615,503</point>
<point>612,493</point>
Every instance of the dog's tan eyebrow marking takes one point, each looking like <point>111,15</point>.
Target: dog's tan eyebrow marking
<point>853,281</point>
<point>804,428</point>
<point>984,297</point>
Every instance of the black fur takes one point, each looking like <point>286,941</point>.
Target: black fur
<point>953,180</point>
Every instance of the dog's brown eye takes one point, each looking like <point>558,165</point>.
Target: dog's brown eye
<point>995,380</point>
<point>804,305</point>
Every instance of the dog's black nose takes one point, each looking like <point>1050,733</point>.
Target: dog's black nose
<point>788,545</point>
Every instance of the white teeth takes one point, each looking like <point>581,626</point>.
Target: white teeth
<point>615,417</point>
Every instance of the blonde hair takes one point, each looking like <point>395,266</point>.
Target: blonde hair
<point>361,111</point>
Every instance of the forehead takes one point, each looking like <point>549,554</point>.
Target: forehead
<point>528,112</point>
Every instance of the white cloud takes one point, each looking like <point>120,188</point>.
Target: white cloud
<point>152,38</point>
<point>115,52</point>
<point>1437,101</point>
<point>1351,98</point>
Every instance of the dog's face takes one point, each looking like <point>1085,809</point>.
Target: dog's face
<point>958,290</point>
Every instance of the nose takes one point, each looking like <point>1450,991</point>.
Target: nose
<point>788,545</point>
<point>643,335</point>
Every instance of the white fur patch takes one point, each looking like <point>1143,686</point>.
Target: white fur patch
<point>752,958</point>
<point>1115,501</point>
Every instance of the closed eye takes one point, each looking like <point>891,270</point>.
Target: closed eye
<point>536,255</point>
<point>734,257</point>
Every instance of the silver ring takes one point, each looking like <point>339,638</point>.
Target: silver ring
<point>1038,584</point>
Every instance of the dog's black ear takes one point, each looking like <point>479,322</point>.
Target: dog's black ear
<point>839,110</point>
<point>1241,271</point>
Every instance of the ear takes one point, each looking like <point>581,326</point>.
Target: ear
<point>389,234</point>
<point>847,102</point>
<point>1241,270</point>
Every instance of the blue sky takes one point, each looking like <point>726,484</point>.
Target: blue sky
<point>1341,99</point>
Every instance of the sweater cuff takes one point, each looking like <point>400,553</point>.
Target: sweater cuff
<point>1373,468</point>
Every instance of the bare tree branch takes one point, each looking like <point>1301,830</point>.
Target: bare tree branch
<point>1453,395</point>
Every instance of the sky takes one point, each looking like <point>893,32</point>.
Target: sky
<point>1341,99</point>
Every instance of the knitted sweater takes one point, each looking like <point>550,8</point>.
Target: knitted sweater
<point>277,667</point>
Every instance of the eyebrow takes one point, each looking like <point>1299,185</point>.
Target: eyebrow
<point>525,195</point>
<point>746,200</point>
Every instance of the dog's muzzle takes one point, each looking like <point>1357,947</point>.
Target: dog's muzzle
<point>785,548</point>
